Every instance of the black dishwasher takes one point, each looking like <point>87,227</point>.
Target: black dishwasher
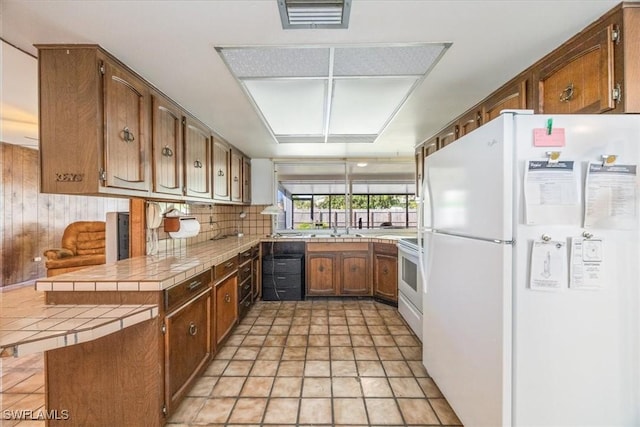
<point>282,277</point>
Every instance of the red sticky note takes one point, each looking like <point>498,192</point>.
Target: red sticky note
<point>541,139</point>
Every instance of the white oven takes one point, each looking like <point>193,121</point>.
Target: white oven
<point>410,284</point>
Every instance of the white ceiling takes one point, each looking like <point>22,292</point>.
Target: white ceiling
<point>171,44</point>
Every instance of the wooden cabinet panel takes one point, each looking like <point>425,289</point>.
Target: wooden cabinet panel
<point>246,180</point>
<point>221,166</point>
<point>448,135</point>
<point>126,109</point>
<point>354,269</point>
<point>197,147</point>
<point>470,121</point>
<point>226,307</point>
<point>236,176</point>
<point>187,346</point>
<point>167,146</point>
<point>581,80</point>
<point>512,96</point>
<point>322,277</point>
<point>385,271</point>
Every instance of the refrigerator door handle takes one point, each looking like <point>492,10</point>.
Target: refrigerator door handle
<point>420,231</point>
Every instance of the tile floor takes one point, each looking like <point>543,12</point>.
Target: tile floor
<point>319,362</point>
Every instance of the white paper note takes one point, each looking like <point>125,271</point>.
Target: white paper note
<point>586,263</point>
<point>548,266</point>
<point>611,197</point>
<point>552,192</point>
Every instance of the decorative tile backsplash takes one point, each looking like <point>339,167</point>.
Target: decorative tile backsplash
<point>215,221</point>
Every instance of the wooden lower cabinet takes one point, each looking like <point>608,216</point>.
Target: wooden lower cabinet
<point>226,307</point>
<point>385,271</point>
<point>337,269</point>
<point>187,346</point>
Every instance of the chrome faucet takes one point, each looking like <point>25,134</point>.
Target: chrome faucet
<point>335,229</point>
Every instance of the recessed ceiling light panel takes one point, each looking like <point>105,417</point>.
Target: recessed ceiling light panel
<point>273,62</point>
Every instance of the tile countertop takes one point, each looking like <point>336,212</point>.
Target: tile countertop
<point>161,271</point>
<point>47,327</point>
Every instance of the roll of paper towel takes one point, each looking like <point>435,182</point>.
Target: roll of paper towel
<point>189,227</point>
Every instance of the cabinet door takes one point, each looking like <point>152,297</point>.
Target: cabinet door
<point>470,121</point>
<point>385,276</point>
<point>197,156</point>
<point>187,346</point>
<point>354,269</point>
<point>581,80</point>
<point>126,111</point>
<point>226,303</point>
<point>510,97</point>
<point>167,146</point>
<point>236,176</point>
<point>221,163</point>
<point>448,135</point>
<point>246,180</point>
<point>322,275</point>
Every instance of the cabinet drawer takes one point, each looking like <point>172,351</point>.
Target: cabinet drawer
<point>244,256</point>
<point>244,289</point>
<point>269,294</point>
<point>181,292</point>
<point>385,248</point>
<point>282,264</point>
<point>244,272</point>
<point>244,306</point>
<point>223,269</point>
<point>282,281</point>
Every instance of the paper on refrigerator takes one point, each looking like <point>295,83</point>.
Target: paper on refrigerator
<point>611,197</point>
<point>548,265</point>
<point>552,192</point>
<point>585,270</point>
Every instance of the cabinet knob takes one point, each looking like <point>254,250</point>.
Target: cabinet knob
<point>567,93</point>
<point>127,135</point>
<point>220,172</point>
<point>227,297</point>
<point>235,179</point>
<point>193,329</point>
<point>197,164</point>
<point>385,271</point>
<point>167,152</point>
<point>321,268</point>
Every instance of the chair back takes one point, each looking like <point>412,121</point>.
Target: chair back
<point>85,237</point>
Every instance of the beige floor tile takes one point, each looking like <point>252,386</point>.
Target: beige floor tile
<point>417,411</point>
<point>294,353</point>
<point>343,368</point>
<point>282,411</point>
<point>317,368</point>
<point>291,368</point>
<point>216,368</point>
<point>228,387</point>
<point>370,368</point>
<point>337,319</point>
<point>249,410</point>
<point>429,388</point>
<point>342,353</point>
<point>265,368</point>
<point>358,329</point>
<point>202,387</point>
<point>286,387</point>
<point>444,412</point>
<point>235,340</point>
<point>226,352</point>
<point>254,340</point>
<point>379,330</point>
<point>275,340</point>
<point>356,321</point>
<point>383,411</point>
<point>301,330</point>
<point>412,353</point>
<point>270,353</point>
<point>383,340</point>
<point>346,387</point>
<point>319,320</point>
<point>349,411</point>
<point>365,353</point>
<point>257,387</point>
<point>282,321</point>
<point>318,341</point>
<point>259,330</point>
<point>338,329</point>
<point>266,321</point>
<point>340,340</point>
<point>316,387</point>
<point>395,368</point>
<point>376,387</point>
<point>279,330</point>
<point>405,387</point>
<point>406,341</point>
<point>188,410</point>
<point>246,353</point>
<point>396,330</point>
<point>389,353</point>
<point>296,341</point>
<point>317,353</point>
<point>373,321</point>
<point>418,368</point>
<point>215,411</point>
<point>315,411</point>
<point>318,330</point>
<point>237,368</point>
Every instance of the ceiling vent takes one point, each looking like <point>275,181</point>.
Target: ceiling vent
<point>310,14</point>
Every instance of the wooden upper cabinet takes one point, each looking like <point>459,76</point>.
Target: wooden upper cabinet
<point>448,135</point>
<point>512,96</point>
<point>221,166</point>
<point>94,123</point>
<point>197,156</point>
<point>430,147</point>
<point>167,146</point>
<point>246,180</point>
<point>236,176</point>
<point>470,121</point>
<point>581,78</point>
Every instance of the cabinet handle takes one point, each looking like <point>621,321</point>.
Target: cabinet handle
<point>246,270</point>
<point>385,271</point>
<point>247,303</point>
<point>197,164</point>
<point>235,179</point>
<point>227,297</point>
<point>567,93</point>
<point>321,269</point>
<point>127,135</point>
<point>220,173</point>
<point>167,152</point>
<point>193,329</point>
<point>247,286</point>
<point>194,284</point>
<point>228,265</point>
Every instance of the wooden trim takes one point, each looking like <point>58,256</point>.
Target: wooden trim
<point>137,227</point>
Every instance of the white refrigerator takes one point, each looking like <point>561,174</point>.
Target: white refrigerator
<point>506,346</point>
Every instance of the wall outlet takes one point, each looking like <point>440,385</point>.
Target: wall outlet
<point>38,258</point>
